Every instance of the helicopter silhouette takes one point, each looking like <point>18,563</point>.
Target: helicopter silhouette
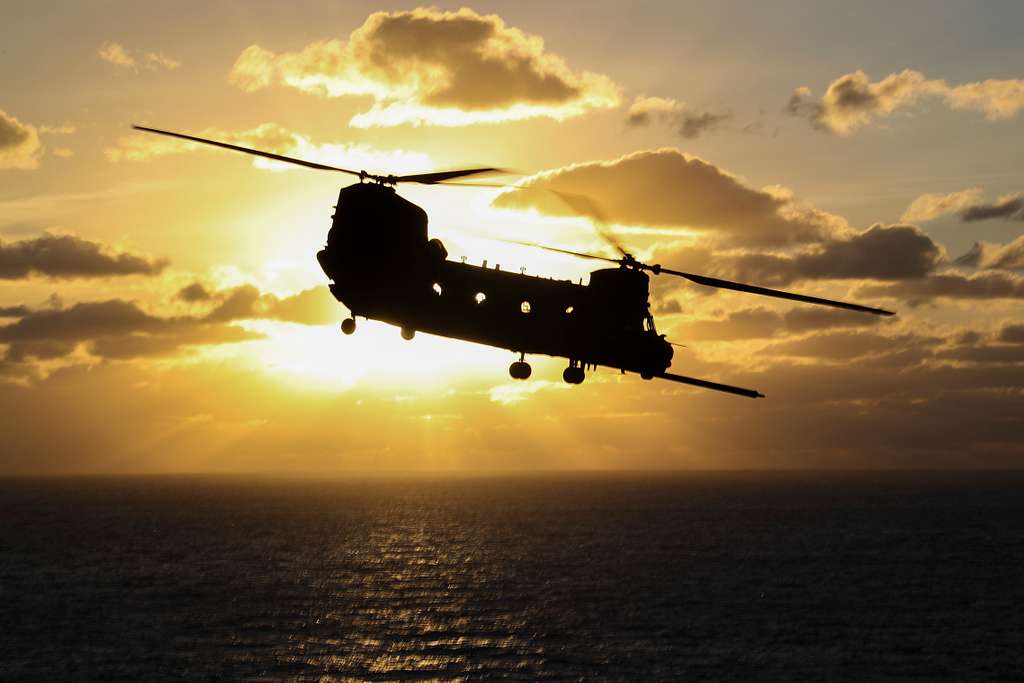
<point>384,266</point>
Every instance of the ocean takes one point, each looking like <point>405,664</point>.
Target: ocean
<point>794,576</point>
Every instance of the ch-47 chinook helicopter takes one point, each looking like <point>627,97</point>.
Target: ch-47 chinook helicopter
<point>383,266</point>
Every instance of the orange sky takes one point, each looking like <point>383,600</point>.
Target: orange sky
<point>161,308</point>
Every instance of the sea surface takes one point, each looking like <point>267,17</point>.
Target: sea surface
<point>696,576</point>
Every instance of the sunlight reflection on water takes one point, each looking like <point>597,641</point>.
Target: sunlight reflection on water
<point>723,576</point>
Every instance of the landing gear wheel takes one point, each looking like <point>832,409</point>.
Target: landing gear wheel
<point>644,374</point>
<point>573,374</point>
<point>408,333</point>
<point>520,370</point>
<point>348,325</point>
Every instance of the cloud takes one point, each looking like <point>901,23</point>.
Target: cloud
<point>853,100</point>
<point>842,346</point>
<point>928,207</point>
<point>170,341</point>
<point>761,323</point>
<point>1010,207</point>
<point>428,66</point>
<point>689,123</point>
<point>881,252</point>
<point>119,55</point>
<point>1012,334</point>
<point>111,329</point>
<point>14,311</point>
<point>863,412</point>
<point>517,392</point>
<point>195,292</point>
<point>314,306</point>
<point>953,285</point>
<point>989,353</point>
<point>19,143</point>
<point>273,138</point>
<point>122,329</point>
<point>666,187</point>
<point>67,256</point>
<point>987,255</point>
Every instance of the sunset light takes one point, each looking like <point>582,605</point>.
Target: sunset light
<point>177,284</point>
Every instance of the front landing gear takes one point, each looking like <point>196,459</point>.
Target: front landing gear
<point>348,325</point>
<point>574,373</point>
<point>520,369</point>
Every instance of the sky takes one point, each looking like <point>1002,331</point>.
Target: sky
<point>161,308</point>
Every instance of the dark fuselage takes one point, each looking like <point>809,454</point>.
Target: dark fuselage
<point>384,267</point>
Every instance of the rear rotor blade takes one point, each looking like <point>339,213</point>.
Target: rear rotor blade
<point>563,251</point>
<point>714,386</point>
<point>247,150</point>
<point>764,291</point>
<point>586,207</point>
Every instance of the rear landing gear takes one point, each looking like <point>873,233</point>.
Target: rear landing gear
<point>520,369</point>
<point>348,325</point>
<point>408,333</point>
<point>574,373</point>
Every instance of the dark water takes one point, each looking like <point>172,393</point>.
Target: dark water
<point>645,577</point>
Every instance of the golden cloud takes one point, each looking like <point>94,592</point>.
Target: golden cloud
<point>1010,207</point>
<point>951,285</point>
<point>760,323</point>
<point>122,329</point>
<point>853,100</point>
<point>119,55</point>
<point>428,66</point>
<point>19,143</point>
<point>667,188</point>
<point>688,123</point>
<point>988,255</point>
<point>67,256</point>
<point>930,206</point>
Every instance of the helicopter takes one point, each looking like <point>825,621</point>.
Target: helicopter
<point>384,266</point>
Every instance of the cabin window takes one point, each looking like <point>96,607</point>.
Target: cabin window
<point>437,288</point>
<point>568,310</point>
<point>480,297</point>
<point>525,307</point>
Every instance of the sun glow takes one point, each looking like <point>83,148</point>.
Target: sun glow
<point>321,357</point>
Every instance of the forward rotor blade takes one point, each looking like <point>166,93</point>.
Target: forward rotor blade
<point>764,291</point>
<point>564,251</point>
<point>247,150</point>
<point>436,177</point>
<point>714,386</point>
